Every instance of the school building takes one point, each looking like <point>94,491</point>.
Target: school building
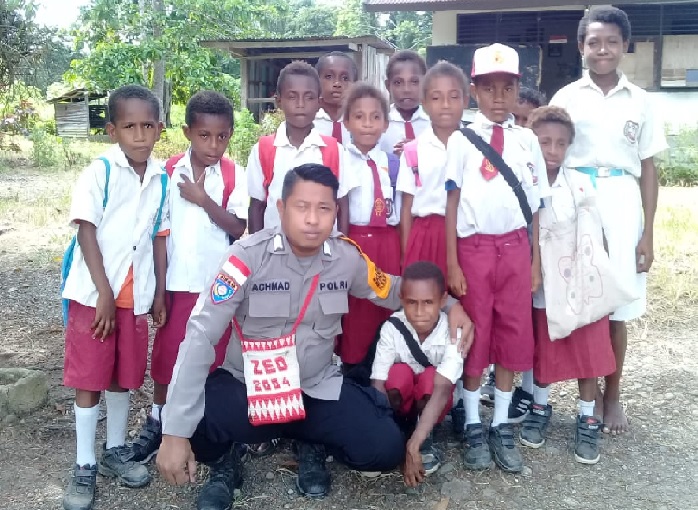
<point>662,57</point>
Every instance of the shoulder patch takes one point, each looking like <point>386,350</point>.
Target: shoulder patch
<point>237,270</point>
<point>223,288</point>
<point>377,279</point>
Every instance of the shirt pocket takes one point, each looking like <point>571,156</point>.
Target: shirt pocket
<point>268,314</point>
<point>333,305</point>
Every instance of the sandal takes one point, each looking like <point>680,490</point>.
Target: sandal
<point>263,449</point>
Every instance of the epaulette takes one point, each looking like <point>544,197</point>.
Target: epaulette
<point>256,238</point>
<point>377,279</point>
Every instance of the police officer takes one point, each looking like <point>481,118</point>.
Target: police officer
<point>288,286</point>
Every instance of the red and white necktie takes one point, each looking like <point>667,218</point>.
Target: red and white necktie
<point>337,130</point>
<point>409,131</point>
<point>379,211</point>
<point>487,169</point>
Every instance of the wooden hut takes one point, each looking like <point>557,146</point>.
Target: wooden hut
<point>261,60</point>
<point>78,111</point>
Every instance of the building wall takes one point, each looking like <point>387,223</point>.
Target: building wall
<point>678,109</point>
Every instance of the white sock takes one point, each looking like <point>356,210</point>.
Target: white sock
<point>85,431</point>
<point>586,408</point>
<point>156,411</point>
<point>117,417</point>
<point>502,399</point>
<point>540,395</point>
<point>527,381</point>
<point>471,401</point>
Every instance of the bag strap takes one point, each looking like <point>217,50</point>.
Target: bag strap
<point>413,346</point>
<point>158,219</point>
<point>267,154</point>
<point>170,163</point>
<point>228,174</point>
<point>488,151</point>
<point>410,152</point>
<point>107,167</point>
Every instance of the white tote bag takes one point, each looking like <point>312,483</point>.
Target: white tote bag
<point>578,281</point>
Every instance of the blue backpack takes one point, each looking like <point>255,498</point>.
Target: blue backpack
<point>68,255</point>
<point>393,169</point>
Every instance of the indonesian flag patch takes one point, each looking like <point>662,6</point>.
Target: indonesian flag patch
<point>229,280</point>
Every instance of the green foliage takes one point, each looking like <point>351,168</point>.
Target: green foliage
<point>352,20</point>
<point>46,150</point>
<point>171,142</point>
<point>679,165</point>
<point>246,134</point>
<point>408,29</point>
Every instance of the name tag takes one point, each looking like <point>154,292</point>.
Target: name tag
<point>333,285</point>
<point>272,286</point>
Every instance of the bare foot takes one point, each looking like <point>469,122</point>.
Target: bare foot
<point>614,419</point>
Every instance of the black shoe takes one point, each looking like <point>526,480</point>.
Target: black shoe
<point>118,463</point>
<point>535,425</point>
<point>476,452</point>
<point>520,405</point>
<point>148,441</point>
<point>431,460</point>
<point>80,493</point>
<point>504,450</point>
<point>224,477</point>
<point>586,440</point>
<point>313,477</point>
<point>458,418</point>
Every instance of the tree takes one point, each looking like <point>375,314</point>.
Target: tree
<point>20,39</point>
<point>408,29</point>
<point>353,21</point>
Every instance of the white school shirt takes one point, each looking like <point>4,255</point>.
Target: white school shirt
<point>396,127</point>
<point>324,125</point>
<point>392,348</point>
<point>430,198</point>
<point>124,228</point>
<point>490,207</point>
<point>559,206</point>
<point>196,244</point>
<point>617,130</point>
<point>287,157</point>
<point>361,196</point>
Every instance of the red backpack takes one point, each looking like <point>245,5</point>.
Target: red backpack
<point>267,153</point>
<point>227,172</point>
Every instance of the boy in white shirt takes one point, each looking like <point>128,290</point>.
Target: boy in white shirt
<point>116,275</point>
<point>337,71</point>
<point>418,367</point>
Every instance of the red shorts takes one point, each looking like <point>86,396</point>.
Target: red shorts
<point>93,365</point>
<point>587,353</point>
<point>427,241</point>
<point>359,326</point>
<point>497,269</point>
<point>413,388</point>
<point>170,336</point>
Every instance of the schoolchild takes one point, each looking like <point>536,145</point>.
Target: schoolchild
<point>529,100</point>
<point>617,136</point>
<point>337,72</point>
<point>422,176</point>
<point>208,207</point>
<point>586,353</point>
<point>406,118</point>
<point>374,212</point>
<point>295,142</point>
<point>116,276</point>
<point>488,252</point>
<point>416,365</point>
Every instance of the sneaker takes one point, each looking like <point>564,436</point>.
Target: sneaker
<point>225,475</point>
<point>586,440</point>
<point>476,452</point>
<point>313,478</point>
<point>535,425</point>
<point>118,462</point>
<point>520,405</point>
<point>504,450</point>
<point>431,460</point>
<point>487,390</point>
<point>458,417</point>
<point>148,441</point>
<point>80,493</point>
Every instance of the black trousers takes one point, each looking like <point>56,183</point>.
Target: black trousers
<point>358,429</point>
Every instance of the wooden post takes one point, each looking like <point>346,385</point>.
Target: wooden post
<point>244,83</point>
<point>87,114</point>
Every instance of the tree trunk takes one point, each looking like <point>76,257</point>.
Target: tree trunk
<point>159,65</point>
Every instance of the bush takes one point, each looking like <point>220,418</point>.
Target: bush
<point>46,150</point>
<point>246,134</point>
<point>271,121</point>
<point>171,142</point>
<point>678,166</point>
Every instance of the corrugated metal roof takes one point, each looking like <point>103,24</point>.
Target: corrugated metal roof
<point>77,95</point>
<point>246,47</point>
<point>490,5</point>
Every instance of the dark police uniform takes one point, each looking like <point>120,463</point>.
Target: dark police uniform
<point>264,290</point>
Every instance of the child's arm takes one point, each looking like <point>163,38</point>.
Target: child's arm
<point>414,471</point>
<point>405,222</point>
<point>256,215</point>
<point>385,357</point>
<point>536,275</point>
<point>105,310</point>
<point>160,261</point>
<point>456,279</point>
<point>343,214</point>
<point>256,191</point>
<point>649,190</point>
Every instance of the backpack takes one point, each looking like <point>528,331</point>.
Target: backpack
<point>410,152</point>
<point>267,153</point>
<point>227,172</point>
<point>393,170</point>
<point>67,262</point>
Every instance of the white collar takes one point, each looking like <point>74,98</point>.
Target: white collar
<point>482,121</point>
<point>313,138</point>
<point>396,116</point>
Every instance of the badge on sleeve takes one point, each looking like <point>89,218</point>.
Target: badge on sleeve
<point>223,288</point>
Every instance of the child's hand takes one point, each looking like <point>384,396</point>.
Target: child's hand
<point>105,316</point>
<point>536,277</point>
<point>193,192</point>
<point>159,311</point>
<point>644,253</point>
<point>456,282</point>
<point>413,469</point>
<point>399,147</point>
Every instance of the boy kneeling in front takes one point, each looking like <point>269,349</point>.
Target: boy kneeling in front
<point>416,364</point>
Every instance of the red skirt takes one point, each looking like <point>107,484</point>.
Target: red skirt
<point>359,326</point>
<point>585,354</point>
<point>427,241</point>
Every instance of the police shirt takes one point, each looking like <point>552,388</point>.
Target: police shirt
<point>262,284</point>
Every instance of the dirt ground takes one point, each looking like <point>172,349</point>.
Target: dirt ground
<point>655,466</point>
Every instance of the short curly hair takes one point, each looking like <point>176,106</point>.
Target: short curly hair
<point>211,102</point>
<point>405,56</point>
<point>337,54</point>
<point>132,92</point>
<point>554,114</point>
<point>532,96</point>
<point>363,90</point>
<point>605,14</point>
<point>297,68</point>
<point>444,68</point>
<point>424,270</point>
